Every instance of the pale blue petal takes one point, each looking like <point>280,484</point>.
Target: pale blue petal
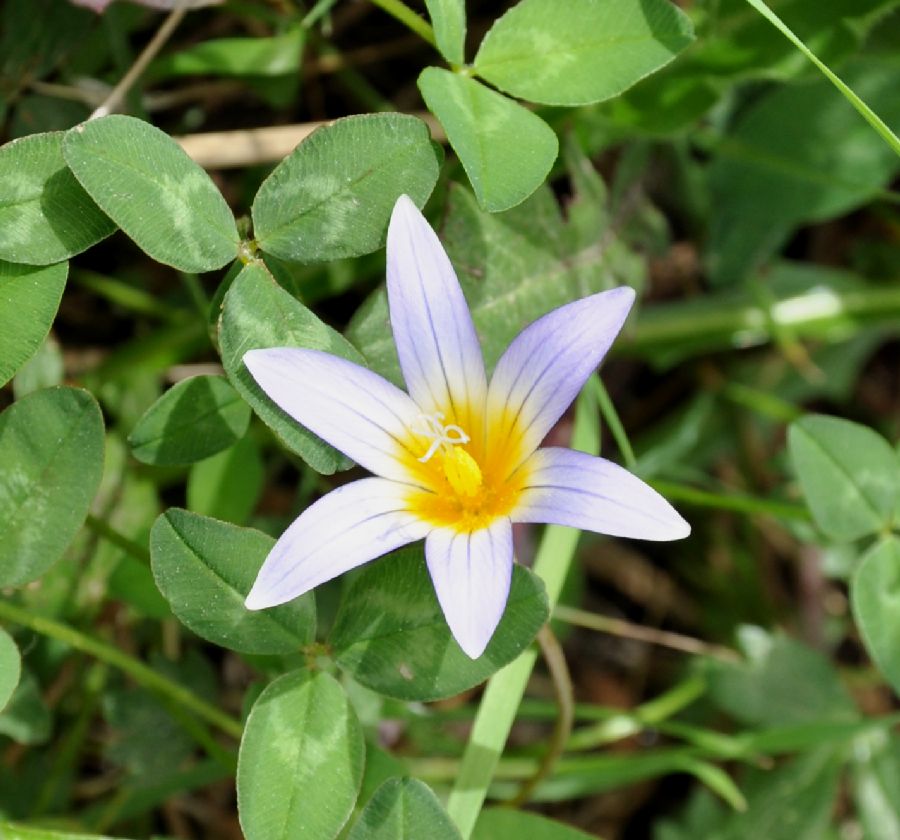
<point>436,342</point>
<point>355,410</point>
<point>471,573</point>
<point>350,526</point>
<point>572,488</point>
<point>546,365</point>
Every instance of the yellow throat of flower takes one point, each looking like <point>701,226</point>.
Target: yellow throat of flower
<point>462,472</point>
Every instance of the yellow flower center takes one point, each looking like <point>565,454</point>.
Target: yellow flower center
<point>462,485</point>
<point>462,472</point>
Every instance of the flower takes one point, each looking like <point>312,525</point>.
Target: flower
<point>457,458</point>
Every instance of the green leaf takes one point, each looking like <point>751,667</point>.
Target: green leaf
<point>404,809</point>
<point>506,150</point>
<point>875,595</point>
<point>51,448</point>
<point>11,831</point>
<point>205,569</point>
<point>849,474</point>
<point>513,268</point>
<point>581,51</point>
<point>45,215</point>
<point>301,760</point>
<point>448,17</point>
<point>29,299</point>
<point>507,824</point>
<point>792,802</point>
<point>333,195</point>
<point>227,486</point>
<point>26,718</point>
<point>764,183</point>
<point>781,682</point>
<point>45,369</point>
<point>193,420</point>
<point>391,635</point>
<point>10,667</point>
<point>275,56</point>
<point>876,780</point>
<point>145,182</point>
<point>258,313</point>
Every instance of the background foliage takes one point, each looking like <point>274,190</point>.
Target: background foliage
<point>742,683</point>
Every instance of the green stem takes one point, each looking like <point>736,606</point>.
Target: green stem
<point>555,659</point>
<point>139,672</point>
<point>714,324</point>
<point>731,501</point>
<point>505,689</point>
<point>408,18</point>
<point>611,416</point>
<point>867,113</point>
<point>118,539</point>
<point>641,633</point>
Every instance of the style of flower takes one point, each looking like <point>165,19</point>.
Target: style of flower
<point>457,458</point>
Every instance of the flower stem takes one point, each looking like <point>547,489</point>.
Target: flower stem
<point>505,689</point>
<point>640,633</point>
<point>139,672</point>
<point>553,655</point>
<point>118,539</point>
<point>611,416</point>
<point>408,18</point>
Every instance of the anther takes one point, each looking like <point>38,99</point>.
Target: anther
<point>432,427</point>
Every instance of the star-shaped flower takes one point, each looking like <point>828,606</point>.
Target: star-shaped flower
<point>457,458</point>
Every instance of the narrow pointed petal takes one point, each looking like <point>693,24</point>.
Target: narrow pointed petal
<point>355,410</point>
<point>545,367</point>
<point>471,575</point>
<point>350,526</point>
<point>572,488</point>
<point>436,342</point>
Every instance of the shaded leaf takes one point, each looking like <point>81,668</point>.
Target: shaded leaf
<point>258,313</point>
<point>875,595</point>
<point>205,568</point>
<point>29,299</point>
<point>508,824</point>
<point>391,635</point>
<point>10,667</point>
<point>404,809</point>
<point>193,420</point>
<point>51,448</point>
<point>227,486</point>
<point>45,214</point>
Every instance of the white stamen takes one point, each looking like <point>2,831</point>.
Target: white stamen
<point>432,427</point>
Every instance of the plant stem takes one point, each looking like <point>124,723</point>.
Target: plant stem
<point>505,689</point>
<point>139,672</point>
<point>118,539</point>
<point>120,91</point>
<point>611,416</point>
<point>640,633</point>
<point>553,655</point>
<point>408,18</point>
<point>867,113</point>
<point>735,502</point>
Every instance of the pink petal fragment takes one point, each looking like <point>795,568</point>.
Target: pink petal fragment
<point>471,575</point>
<point>546,365</point>
<point>350,526</point>
<point>436,342</point>
<point>575,489</point>
<point>355,410</point>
